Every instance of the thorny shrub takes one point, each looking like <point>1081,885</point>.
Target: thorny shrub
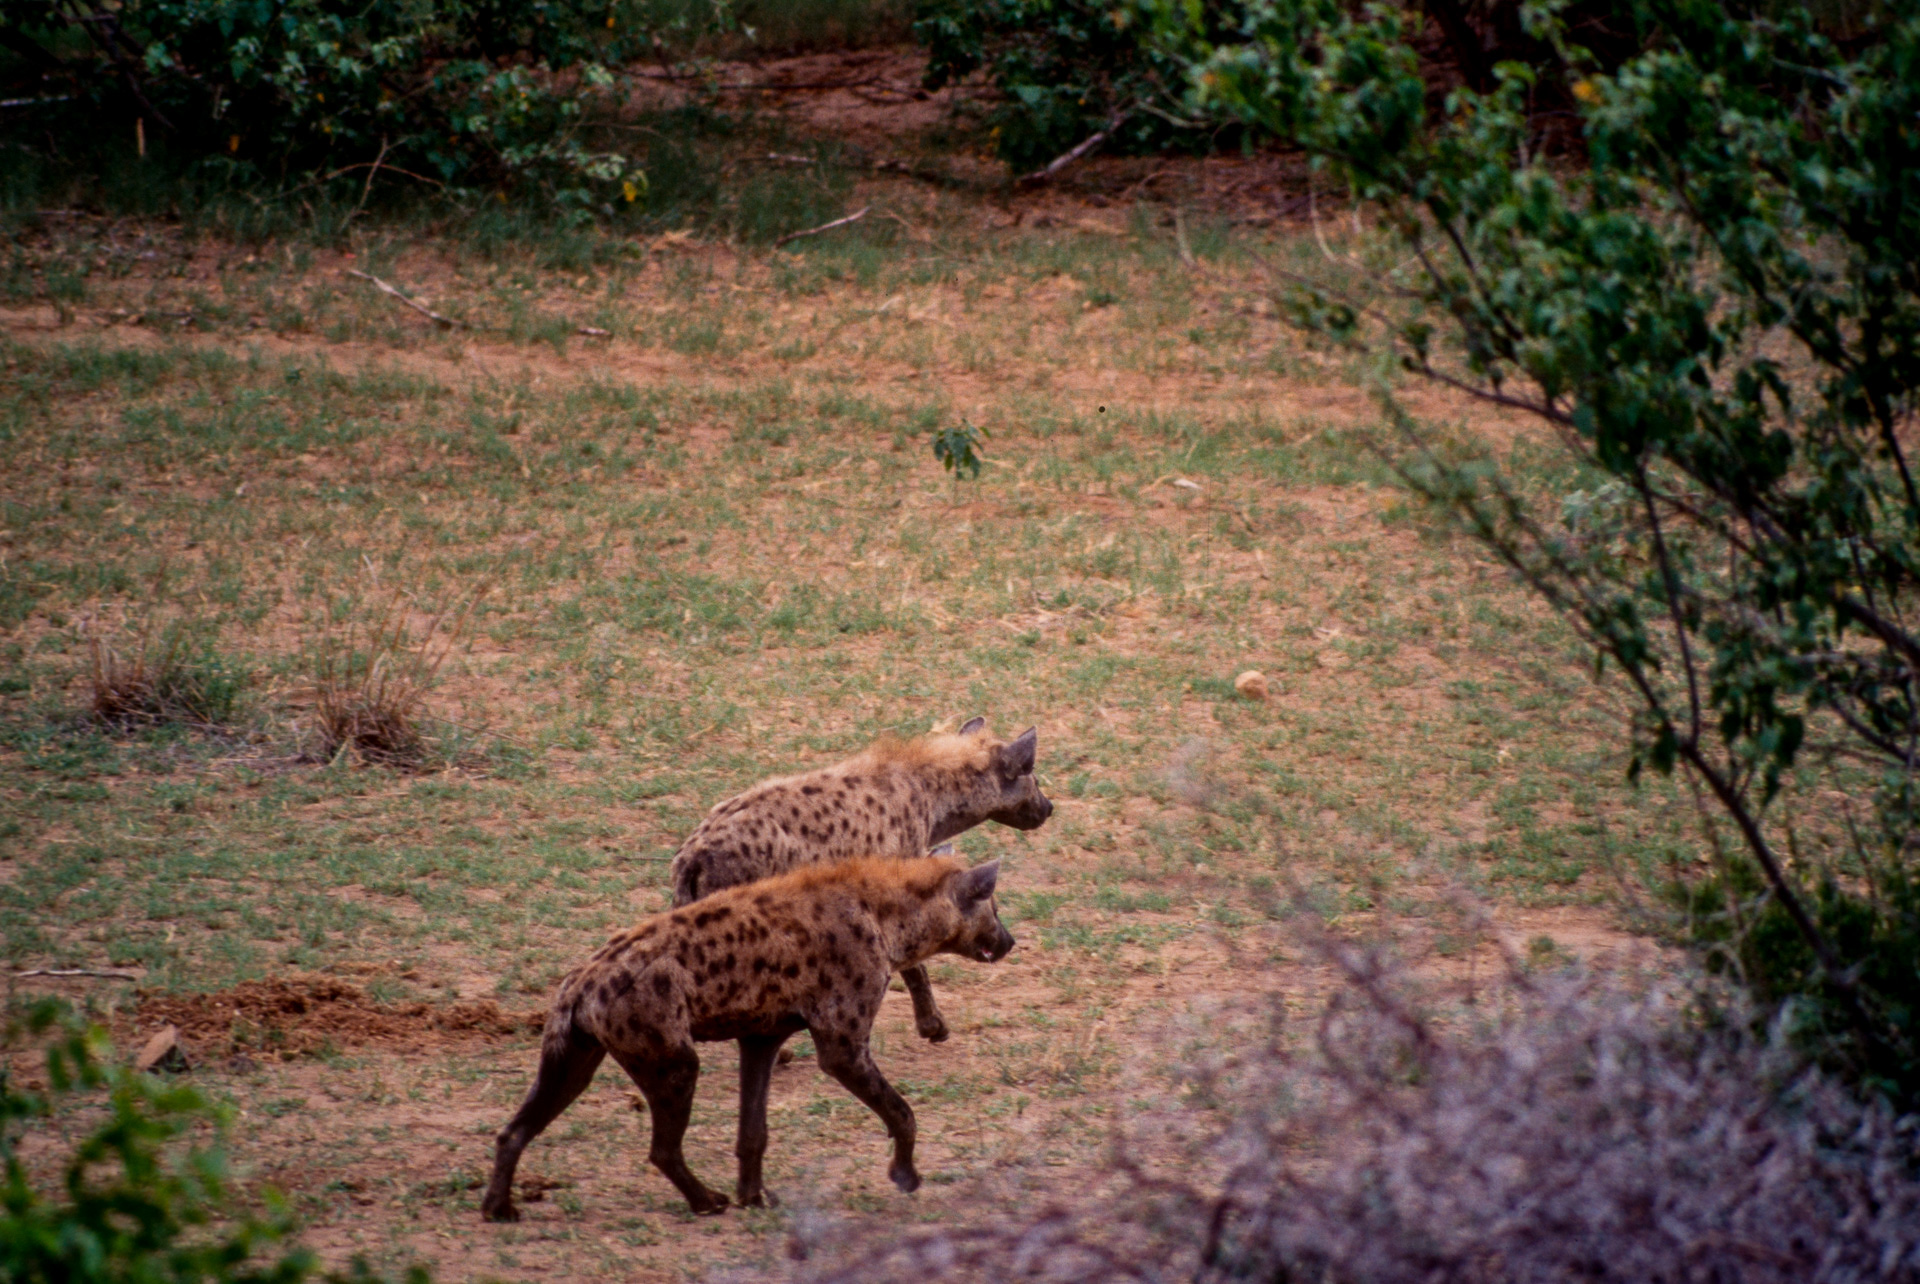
<point>1717,322</point>
<point>1573,1129</point>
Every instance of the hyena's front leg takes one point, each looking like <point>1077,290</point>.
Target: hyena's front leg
<point>849,1060</point>
<point>926,1013</point>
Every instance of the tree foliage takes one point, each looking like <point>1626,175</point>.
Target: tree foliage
<point>472,94</point>
<point>127,1209</point>
<point>1066,70</point>
<point>1719,317</point>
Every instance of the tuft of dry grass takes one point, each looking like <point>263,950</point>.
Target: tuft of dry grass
<point>166,674</point>
<point>371,683</point>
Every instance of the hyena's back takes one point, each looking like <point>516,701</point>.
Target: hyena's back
<point>897,798</point>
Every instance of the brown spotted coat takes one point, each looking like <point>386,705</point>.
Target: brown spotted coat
<point>897,798</point>
<point>811,950</point>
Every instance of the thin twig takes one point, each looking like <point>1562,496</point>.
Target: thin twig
<point>484,731</point>
<point>1180,239</point>
<point>1066,158</point>
<point>416,305</point>
<point>111,974</point>
<point>366,188</point>
<point>854,217</point>
<point>590,331</point>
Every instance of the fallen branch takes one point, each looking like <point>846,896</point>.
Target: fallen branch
<point>854,217</point>
<point>111,974</point>
<point>590,331</point>
<point>415,304</point>
<point>1066,158</point>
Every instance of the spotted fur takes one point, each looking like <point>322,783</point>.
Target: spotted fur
<point>810,950</point>
<point>897,798</point>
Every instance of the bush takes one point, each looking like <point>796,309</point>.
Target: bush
<point>371,684</point>
<point>127,1209</point>
<point>1718,318</point>
<point>1066,70</point>
<point>1576,1131</point>
<point>475,95</point>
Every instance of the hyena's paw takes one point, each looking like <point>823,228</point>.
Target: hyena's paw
<point>500,1212</point>
<point>708,1204</point>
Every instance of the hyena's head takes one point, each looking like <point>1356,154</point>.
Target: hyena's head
<point>981,935</point>
<point>1006,790</point>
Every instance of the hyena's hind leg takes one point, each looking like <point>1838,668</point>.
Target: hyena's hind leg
<point>568,1059</point>
<point>757,1057</point>
<point>667,1075</point>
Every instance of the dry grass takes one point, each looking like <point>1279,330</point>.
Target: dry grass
<point>371,682</point>
<point>720,548</point>
<point>167,674</point>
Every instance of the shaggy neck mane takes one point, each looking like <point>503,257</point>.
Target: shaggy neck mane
<point>938,750</point>
<point>919,877</point>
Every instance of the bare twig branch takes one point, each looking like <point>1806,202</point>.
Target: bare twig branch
<point>366,189</point>
<point>854,217</point>
<point>1082,148</point>
<point>589,331</point>
<point>415,304</point>
<point>108,974</point>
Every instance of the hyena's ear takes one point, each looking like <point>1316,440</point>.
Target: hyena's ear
<point>976,884</point>
<point>1016,758</point>
<point>973,726</point>
<point>944,849</point>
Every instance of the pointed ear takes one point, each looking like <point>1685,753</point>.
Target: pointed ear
<point>973,726</point>
<point>977,883</point>
<point>1016,758</point>
<point>944,849</point>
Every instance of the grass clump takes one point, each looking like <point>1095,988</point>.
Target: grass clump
<point>371,685</point>
<point>167,675</point>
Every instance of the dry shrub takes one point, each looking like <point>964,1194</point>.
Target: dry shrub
<point>1580,1132</point>
<point>371,684</point>
<point>164,674</point>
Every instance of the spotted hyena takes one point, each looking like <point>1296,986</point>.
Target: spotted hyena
<point>898,798</point>
<point>810,950</point>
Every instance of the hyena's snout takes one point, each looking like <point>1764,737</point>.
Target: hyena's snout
<point>992,945</point>
<point>1030,811</point>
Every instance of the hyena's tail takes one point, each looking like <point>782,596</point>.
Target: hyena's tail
<point>686,880</point>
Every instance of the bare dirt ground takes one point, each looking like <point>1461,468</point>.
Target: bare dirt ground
<point>709,546</point>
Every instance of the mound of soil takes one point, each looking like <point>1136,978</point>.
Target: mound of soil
<point>298,1016</point>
